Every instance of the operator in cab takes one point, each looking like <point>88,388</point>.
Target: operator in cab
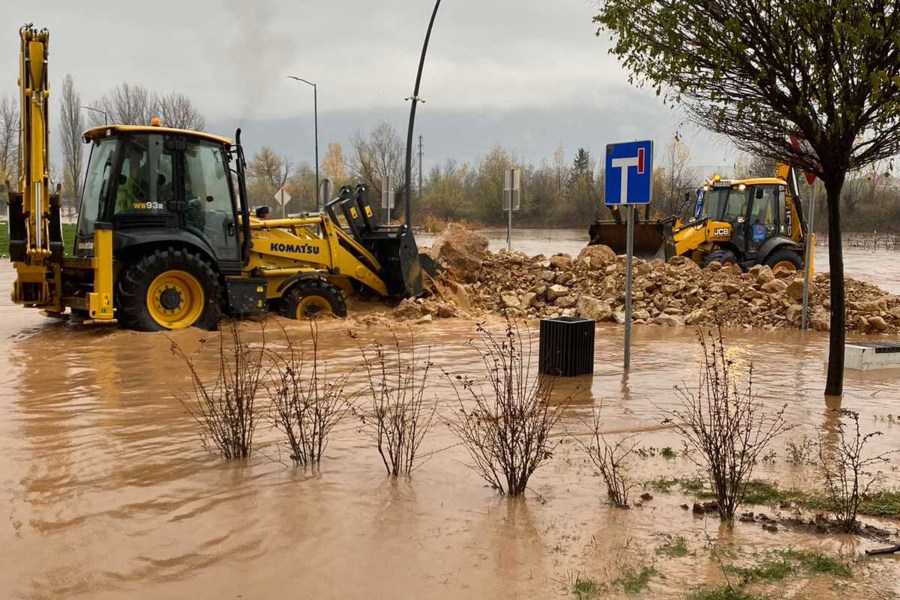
<point>263,213</point>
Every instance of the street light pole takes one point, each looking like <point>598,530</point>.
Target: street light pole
<point>316,125</point>
<point>102,112</point>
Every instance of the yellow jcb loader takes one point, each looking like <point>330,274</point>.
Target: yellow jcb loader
<point>165,238</point>
<point>744,222</point>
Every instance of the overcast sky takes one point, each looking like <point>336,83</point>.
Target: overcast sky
<point>527,75</point>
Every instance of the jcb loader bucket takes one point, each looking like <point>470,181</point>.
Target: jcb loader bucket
<point>652,239</point>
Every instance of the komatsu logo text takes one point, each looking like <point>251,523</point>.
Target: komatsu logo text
<point>293,248</point>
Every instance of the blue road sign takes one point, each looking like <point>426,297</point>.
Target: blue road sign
<point>629,173</point>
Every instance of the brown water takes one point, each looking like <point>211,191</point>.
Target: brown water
<point>108,493</point>
<point>881,268</point>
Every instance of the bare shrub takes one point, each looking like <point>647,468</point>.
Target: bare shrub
<point>846,472</point>
<point>225,408</point>
<point>725,424</point>
<point>306,403</point>
<point>399,418</point>
<point>506,428</point>
<point>611,460</point>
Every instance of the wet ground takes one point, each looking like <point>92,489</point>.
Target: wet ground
<point>107,492</point>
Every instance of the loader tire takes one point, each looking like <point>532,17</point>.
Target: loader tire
<point>311,297</point>
<point>785,258</point>
<point>726,257</point>
<point>169,289</point>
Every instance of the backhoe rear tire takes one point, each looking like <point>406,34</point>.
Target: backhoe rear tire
<point>311,297</point>
<point>726,257</point>
<point>785,258</point>
<point>169,289</point>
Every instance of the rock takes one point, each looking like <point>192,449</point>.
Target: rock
<point>596,257</point>
<point>560,261</point>
<point>511,300</point>
<point>556,291</point>
<point>794,313</point>
<point>670,320</point>
<point>641,267</point>
<point>895,312</point>
<point>820,323</point>
<point>646,496</point>
<point>619,316</point>
<point>714,266</point>
<point>408,309</point>
<point>589,307</point>
<point>565,277</point>
<point>548,276</point>
<point>696,317</point>
<point>795,289</point>
<point>731,288</point>
<point>736,269</point>
<point>878,323</point>
<point>528,299</point>
<point>566,301</point>
<point>764,275</point>
<point>462,251</point>
<point>775,286</point>
<point>868,306</point>
<point>680,260</point>
<point>783,272</point>
<point>640,315</point>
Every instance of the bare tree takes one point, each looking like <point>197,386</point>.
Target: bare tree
<point>126,104</point>
<point>70,131</point>
<point>133,104</point>
<point>375,157</point>
<point>177,110</point>
<point>678,180</point>
<point>9,139</point>
<point>754,165</point>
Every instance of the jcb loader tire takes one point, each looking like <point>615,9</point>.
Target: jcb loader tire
<point>787,259</point>
<point>311,297</point>
<point>169,289</point>
<point>726,257</point>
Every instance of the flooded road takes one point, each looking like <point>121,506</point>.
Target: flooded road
<point>881,268</point>
<point>107,492</point>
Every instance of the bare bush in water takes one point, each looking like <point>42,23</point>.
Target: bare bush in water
<point>506,428</point>
<point>725,424</point>
<point>306,403</point>
<point>611,460</point>
<point>398,417</point>
<point>225,407</point>
<point>845,470</point>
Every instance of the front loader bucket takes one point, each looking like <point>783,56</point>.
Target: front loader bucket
<point>652,239</point>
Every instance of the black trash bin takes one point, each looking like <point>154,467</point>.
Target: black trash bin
<point>566,347</point>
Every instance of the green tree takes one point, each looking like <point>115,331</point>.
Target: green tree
<point>761,70</point>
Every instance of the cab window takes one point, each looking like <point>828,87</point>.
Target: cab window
<point>145,184</point>
<point>208,194</point>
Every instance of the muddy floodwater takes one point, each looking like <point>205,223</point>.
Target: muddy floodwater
<point>106,491</point>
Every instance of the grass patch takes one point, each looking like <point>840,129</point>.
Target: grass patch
<point>633,580</point>
<point>724,592</point>
<point>673,547</point>
<point>816,562</point>
<point>767,570</point>
<point>68,231</point>
<point>585,588</point>
<point>885,503</point>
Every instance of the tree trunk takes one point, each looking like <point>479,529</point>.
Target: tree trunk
<point>834,384</point>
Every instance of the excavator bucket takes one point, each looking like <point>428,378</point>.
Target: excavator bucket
<point>394,246</point>
<point>652,239</point>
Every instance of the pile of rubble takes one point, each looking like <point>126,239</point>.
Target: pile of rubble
<point>675,293</point>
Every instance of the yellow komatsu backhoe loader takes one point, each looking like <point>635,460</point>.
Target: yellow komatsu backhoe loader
<point>165,238</point>
<point>744,222</point>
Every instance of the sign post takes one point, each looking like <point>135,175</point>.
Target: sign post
<point>629,182</point>
<point>387,195</point>
<point>511,199</point>
<point>282,197</point>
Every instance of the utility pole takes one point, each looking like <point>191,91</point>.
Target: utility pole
<point>420,168</point>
